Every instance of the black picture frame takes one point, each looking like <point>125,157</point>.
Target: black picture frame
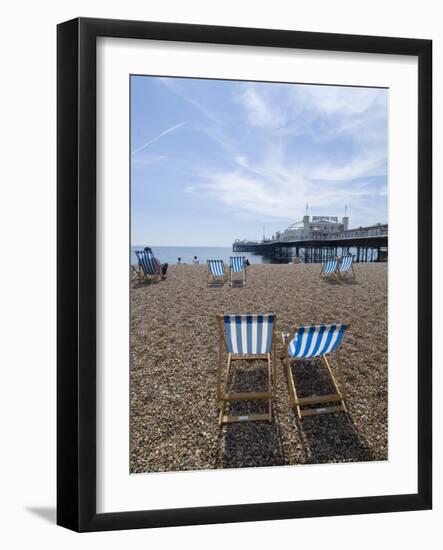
<point>76,280</point>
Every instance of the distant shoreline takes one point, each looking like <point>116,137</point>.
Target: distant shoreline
<point>180,246</point>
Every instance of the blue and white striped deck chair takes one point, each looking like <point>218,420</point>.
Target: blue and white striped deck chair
<point>148,266</point>
<point>247,337</point>
<point>329,269</point>
<point>310,343</point>
<point>237,265</point>
<point>346,267</point>
<point>216,271</point>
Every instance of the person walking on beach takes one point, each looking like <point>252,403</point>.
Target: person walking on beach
<point>163,268</point>
<point>195,261</point>
<point>179,261</point>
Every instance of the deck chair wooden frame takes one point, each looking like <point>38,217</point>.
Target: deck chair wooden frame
<point>231,272</point>
<point>349,272</point>
<point>332,274</point>
<point>136,273</point>
<point>212,278</point>
<point>224,396</point>
<point>143,273</point>
<point>328,403</point>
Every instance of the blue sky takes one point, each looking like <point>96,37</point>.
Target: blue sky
<point>216,160</point>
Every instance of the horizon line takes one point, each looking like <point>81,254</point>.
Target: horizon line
<point>183,245</point>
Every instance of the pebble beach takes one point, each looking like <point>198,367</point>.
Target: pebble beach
<point>174,353</point>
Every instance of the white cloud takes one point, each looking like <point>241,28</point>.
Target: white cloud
<point>351,111</point>
<point>240,193</point>
<point>274,185</point>
<point>277,189</point>
<point>277,200</point>
<point>174,86</point>
<point>214,126</point>
<point>241,160</point>
<point>260,112</point>
<point>365,164</point>
<point>330,100</point>
<point>268,182</point>
<point>146,160</point>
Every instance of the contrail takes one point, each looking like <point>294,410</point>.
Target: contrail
<point>173,88</point>
<point>151,141</point>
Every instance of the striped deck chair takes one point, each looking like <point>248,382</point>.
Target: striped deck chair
<point>216,271</point>
<point>329,269</point>
<point>346,267</point>
<point>315,342</point>
<point>246,337</point>
<point>149,268</point>
<point>237,265</point>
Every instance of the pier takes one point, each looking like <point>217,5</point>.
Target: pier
<point>367,244</point>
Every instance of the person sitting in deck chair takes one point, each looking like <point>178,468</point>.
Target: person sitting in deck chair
<point>149,267</point>
<point>162,267</point>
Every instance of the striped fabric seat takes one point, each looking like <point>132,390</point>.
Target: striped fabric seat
<point>216,268</point>
<point>146,261</point>
<point>237,263</point>
<point>315,340</point>
<point>249,334</point>
<point>245,337</point>
<point>346,263</point>
<point>330,266</point>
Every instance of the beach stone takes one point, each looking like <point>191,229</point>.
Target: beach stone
<point>174,354</point>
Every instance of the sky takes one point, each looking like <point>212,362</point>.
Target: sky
<point>216,160</point>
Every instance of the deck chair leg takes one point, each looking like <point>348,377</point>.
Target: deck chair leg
<point>274,368</point>
<point>225,390</point>
<point>270,387</point>
<point>219,373</point>
<point>334,381</point>
<point>221,402</point>
<point>285,360</point>
<point>287,364</point>
<point>342,379</point>
<point>222,413</point>
<point>292,388</point>
<point>228,372</point>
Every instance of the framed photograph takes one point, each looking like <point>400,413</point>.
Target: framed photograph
<point>244,274</point>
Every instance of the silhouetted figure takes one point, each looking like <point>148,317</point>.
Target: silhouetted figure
<point>163,268</point>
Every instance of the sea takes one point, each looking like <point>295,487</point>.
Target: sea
<point>170,254</point>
